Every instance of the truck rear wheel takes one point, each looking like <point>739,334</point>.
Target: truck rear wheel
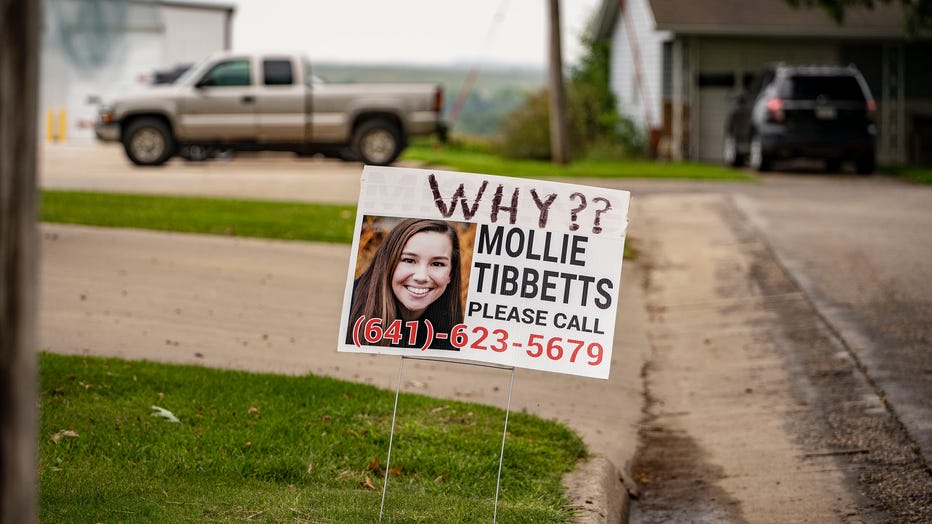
<point>378,142</point>
<point>148,142</point>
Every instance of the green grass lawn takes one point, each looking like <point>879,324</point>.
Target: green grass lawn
<point>212,216</point>
<point>270,448</point>
<point>919,175</point>
<point>474,160</point>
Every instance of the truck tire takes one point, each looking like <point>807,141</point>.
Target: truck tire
<point>377,142</point>
<point>148,142</point>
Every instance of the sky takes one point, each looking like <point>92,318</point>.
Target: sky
<point>426,32</point>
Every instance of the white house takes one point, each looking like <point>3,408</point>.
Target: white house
<point>673,63</point>
<point>96,49</point>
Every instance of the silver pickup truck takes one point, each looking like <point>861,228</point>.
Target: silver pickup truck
<point>237,101</point>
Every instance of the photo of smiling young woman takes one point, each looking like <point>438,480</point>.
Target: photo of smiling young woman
<point>415,274</point>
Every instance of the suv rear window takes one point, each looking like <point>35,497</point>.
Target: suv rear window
<point>803,87</point>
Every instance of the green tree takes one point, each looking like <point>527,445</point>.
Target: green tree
<point>593,121</point>
<point>917,13</point>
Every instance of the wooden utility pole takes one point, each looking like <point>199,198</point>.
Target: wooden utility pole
<point>19,87</point>
<point>558,142</point>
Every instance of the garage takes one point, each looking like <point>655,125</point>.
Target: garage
<point>673,65</point>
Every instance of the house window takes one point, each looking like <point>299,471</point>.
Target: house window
<point>716,80</point>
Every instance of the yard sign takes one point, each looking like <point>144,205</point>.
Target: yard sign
<point>542,266</point>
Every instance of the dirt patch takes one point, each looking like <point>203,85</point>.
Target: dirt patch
<point>677,483</point>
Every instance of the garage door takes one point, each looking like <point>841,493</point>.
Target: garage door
<point>713,108</point>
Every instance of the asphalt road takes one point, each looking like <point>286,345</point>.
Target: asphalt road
<point>860,248</point>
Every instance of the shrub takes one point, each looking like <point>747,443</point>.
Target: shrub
<point>594,127</point>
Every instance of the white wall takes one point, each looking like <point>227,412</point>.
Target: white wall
<point>192,33</point>
<point>106,48</point>
<point>638,100</point>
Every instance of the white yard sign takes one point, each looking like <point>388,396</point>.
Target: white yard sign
<point>510,271</point>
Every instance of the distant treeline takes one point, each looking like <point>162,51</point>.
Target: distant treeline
<point>497,89</point>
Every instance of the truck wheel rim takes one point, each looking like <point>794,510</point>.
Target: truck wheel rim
<point>378,146</point>
<point>148,145</point>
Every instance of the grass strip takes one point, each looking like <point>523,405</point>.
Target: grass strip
<point>919,175</point>
<point>213,216</point>
<point>273,448</point>
<point>474,161</point>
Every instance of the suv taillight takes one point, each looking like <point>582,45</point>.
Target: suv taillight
<point>871,110</point>
<point>775,109</point>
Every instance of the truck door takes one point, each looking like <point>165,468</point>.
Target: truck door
<point>221,107</point>
<point>280,102</point>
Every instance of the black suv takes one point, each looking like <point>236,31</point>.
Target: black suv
<point>820,112</point>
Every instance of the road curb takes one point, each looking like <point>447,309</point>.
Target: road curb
<point>596,493</point>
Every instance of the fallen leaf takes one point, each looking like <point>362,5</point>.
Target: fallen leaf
<point>64,433</point>
<point>439,479</point>
<point>368,483</point>
<point>252,411</point>
<point>395,471</point>
<point>310,467</point>
<point>437,410</point>
<point>374,466</point>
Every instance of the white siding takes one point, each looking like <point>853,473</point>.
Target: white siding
<point>638,99</point>
<point>92,52</point>
<point>192,33</point>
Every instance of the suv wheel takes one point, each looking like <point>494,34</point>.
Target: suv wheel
<point>730,155</point>
<point>866,164</point>
<point>759,158</point>
<point>148,142</point>
<point>377,142</point>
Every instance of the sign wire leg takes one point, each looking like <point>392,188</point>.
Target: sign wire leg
<point>501,456</point>
<point>391,436</point>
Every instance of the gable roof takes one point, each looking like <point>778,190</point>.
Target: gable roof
<point>760,18</point>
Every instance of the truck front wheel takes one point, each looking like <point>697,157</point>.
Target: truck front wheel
<point>148,142</point>
<point>378,142</point>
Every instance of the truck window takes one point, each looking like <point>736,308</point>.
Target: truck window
<point>277,72</point>
<point>229,73</point>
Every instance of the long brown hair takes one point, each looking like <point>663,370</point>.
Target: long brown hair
<point>373,296</point>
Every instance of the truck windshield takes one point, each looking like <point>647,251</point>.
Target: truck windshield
<point>193,70</point>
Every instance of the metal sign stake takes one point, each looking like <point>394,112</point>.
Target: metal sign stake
<point>391,437</point>
<point>501,456</point>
